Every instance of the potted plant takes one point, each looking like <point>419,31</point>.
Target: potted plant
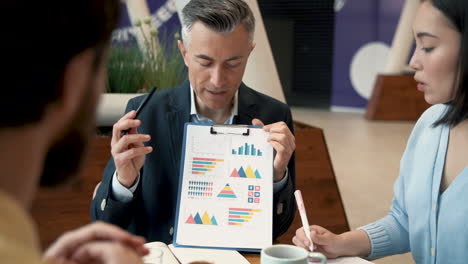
<point>134,69</point>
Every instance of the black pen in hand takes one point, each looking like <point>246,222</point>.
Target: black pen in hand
<point>140,108</point>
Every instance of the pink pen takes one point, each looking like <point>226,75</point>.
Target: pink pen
<point>302,213</point>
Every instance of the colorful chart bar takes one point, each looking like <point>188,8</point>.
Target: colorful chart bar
<point>238,216</point>
<point>240,213</point>
<point>207,159</point>
<point>237,220</point>
<point>245,210</point>
<point>201,169</point>
<point>202,165</point>
<point>204,162</point>
<point>247,150</point>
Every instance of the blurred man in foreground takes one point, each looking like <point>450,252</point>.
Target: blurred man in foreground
<point>54,70</point>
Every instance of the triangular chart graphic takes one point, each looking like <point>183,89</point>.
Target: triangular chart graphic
<point>190,220</point>
<point>197,219</point>
<point>235,174</point>
<point>257,174</point>
<point>242,173</point>
<point>249,172</point>
<point>206,219</point>
<point>227,192</point>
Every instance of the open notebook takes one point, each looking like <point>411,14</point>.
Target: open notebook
<point>176,255</point>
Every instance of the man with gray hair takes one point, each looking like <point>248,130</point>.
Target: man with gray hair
<point>140,183</point>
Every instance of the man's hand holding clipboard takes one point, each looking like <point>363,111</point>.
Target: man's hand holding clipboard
<point>284,143</point>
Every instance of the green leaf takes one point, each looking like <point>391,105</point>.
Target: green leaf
<point>131,70</point>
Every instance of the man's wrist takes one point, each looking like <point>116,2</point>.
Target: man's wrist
<point>126,184</point>
<point>279,175</point>
<point>120,192</point>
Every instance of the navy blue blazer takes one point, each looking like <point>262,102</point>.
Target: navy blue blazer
<point>151,213</point>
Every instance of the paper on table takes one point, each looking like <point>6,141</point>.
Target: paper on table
<point>215,256</point>
<point>348,260</point>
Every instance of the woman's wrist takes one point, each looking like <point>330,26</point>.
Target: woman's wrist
<point>354,243</point>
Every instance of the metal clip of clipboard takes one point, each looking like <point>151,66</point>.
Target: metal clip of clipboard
<point>243,130</point>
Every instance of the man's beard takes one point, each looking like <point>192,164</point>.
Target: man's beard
<point>66,155</point>
<point>64,158</point>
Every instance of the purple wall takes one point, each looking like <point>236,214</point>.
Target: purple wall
<point>164,18</point>
<point>358,23</point>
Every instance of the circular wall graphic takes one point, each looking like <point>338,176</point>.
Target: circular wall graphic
<point>367,62</point>
<point>339,4</point>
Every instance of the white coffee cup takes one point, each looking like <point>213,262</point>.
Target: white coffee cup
<point>156,253</point>
<point>289,254</point>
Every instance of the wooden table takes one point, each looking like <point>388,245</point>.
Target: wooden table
<point>57,211</point>
<point>252,258</point>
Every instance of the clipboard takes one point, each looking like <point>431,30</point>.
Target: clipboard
<point>225,197</point>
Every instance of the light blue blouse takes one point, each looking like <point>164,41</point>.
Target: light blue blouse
<point>430,224</point>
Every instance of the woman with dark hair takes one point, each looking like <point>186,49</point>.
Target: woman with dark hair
<point>429,208</point>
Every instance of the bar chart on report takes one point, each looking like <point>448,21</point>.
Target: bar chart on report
<point>241,216</point>
<point>205,166</point>
<point>247,150</point>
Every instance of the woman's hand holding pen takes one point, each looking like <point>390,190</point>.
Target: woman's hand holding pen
<point>128,149</point>
<point>325,241</point>
<point>353,243</point>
